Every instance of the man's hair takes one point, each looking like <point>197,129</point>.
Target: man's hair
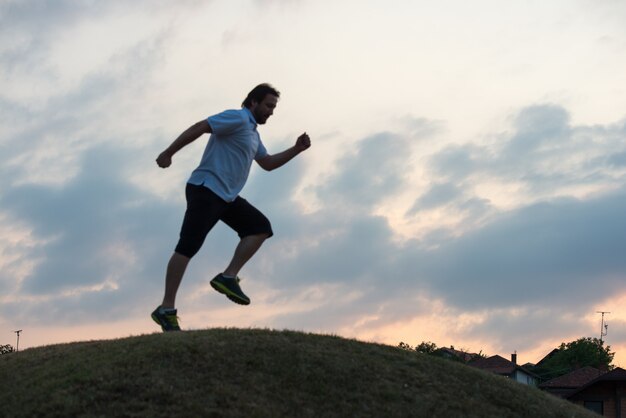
<point>258,94</point>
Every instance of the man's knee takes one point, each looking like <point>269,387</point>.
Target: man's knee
<point>264,235</point>
<point>261,236</point>
<point>263,229</point>
<point>188,248</point>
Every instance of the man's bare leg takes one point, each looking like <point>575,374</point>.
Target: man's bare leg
<point>244,251</point>
<point>175,271</point>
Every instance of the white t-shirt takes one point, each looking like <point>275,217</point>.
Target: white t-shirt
<point>233,145</point>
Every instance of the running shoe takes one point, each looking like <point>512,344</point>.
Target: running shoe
<point>229,286</point>
<point>167,319</point>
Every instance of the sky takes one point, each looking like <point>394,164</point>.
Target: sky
<point>466,183</point>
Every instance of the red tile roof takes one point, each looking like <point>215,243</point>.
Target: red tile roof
<point>494,364</point>
<point>574,379</point>
<point>616,375</point>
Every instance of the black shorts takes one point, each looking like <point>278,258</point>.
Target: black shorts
<point>205,208</point>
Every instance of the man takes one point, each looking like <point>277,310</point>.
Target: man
<point>212,193</point>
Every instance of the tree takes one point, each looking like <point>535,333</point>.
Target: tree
<point>576,354</point>
<point>425,347</point>
<point>405,346</point>
<point>6,349</point>
<point>430,348</point>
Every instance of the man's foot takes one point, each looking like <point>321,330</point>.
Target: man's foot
<point>229,286</point>
<point>166,318</point>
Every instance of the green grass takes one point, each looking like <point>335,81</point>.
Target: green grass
<point>256,373</point>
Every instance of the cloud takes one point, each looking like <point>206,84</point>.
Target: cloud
<point>617,160</point>
<point>538,128</point>
<point>376,170</point>
<point>31,26</point>
<point>438,195</point>
<point>87,228</point>
<point>544,155</point>
<point>616,332</point>
<point>100,233</point>
<point>52,49</point>
<point>565,252</point>
<point>457,162</point>
<point>522,328</point>
<point>42,143</point>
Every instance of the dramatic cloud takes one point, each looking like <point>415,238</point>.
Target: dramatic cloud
<point>96,232</point>
<point>565,252</point>
<point>374,172</point>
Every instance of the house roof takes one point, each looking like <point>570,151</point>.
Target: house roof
<point>616,375</point>
<point>496,364</point>
<point>574,379</point>
<point>499,365</point>
<point>547,357</point>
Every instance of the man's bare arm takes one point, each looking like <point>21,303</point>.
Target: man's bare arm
<point>192,133</point>
<point>271,162</point>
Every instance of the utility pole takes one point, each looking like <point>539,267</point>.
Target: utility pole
<point>17,346</point>
<point>604,328</point>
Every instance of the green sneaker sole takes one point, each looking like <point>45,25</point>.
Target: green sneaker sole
<point>229,294</point>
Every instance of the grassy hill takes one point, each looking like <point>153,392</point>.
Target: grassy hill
<point>256,373</point>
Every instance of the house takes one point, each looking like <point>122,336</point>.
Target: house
<point>565,385</point>
<point>503,367</point>
<point>606,394</point>
<point>547,357</point>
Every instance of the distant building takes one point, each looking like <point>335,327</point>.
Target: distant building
<point>566,385</point>
<point>503,367</point>
<point>605,394</point>
<point>547,357</point>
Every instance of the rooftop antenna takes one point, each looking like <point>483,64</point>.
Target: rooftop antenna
<point>604,328</point>
<point>17,346</point>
